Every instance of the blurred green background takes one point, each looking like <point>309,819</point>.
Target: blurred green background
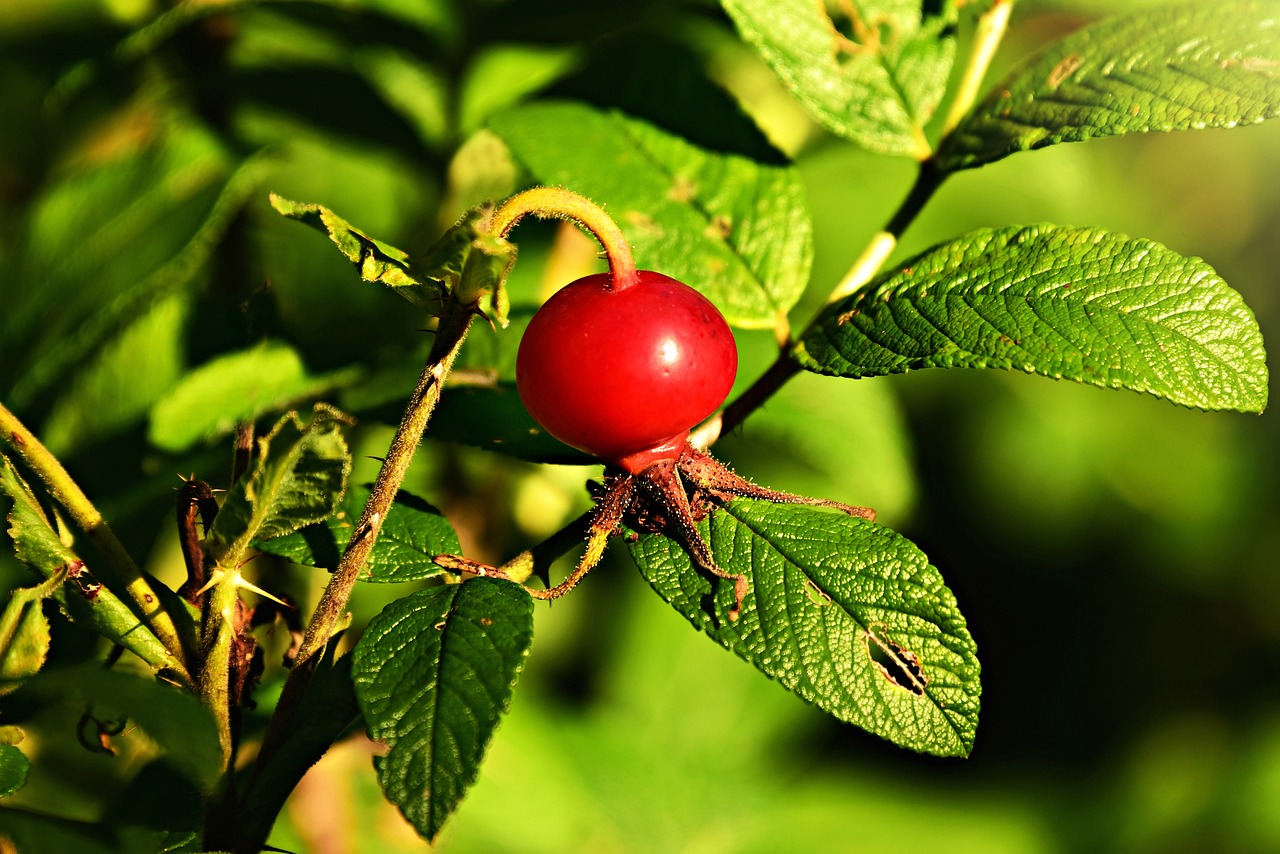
<point>1115,555</point>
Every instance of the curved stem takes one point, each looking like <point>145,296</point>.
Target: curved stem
<point>556,203</point>
<point>123,575</point>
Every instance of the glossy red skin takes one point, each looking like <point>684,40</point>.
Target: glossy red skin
<point>624,374</point>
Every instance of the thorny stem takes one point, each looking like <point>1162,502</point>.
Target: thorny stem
<point>555,203</point>
<point>123,575</point>
<point>450,334</point>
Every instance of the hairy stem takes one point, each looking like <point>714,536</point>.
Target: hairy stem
<point>449,337</point>
<point>555,203</point>
<point>120,573</point>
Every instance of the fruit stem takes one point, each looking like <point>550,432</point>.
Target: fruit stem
<point>558,203</point>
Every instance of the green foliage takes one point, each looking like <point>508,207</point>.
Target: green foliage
<point>287,491</point>
<point>153,301</point>
<point>232,389</point>
<point>176,721</point>
<point>871,72</point>
<point>413,533</point>
<point>736,230</point>
<point>433,673</point>
<point>13,769</point>
<point>847,614</point>
<point>1079,304</point>
<point>1173,67</point>
<point>38,545</point>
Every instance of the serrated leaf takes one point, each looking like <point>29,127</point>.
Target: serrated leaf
<point>24,633</point>
<point>13,769</point>
<point>1069,303</point>
<point>736,230</point>
<point>374,260</point>
<point>299,477</point>
<point>844,613</point>
<point>412,534</point>
<point>236,387</point>
<point>433,674</point>
<point>874,73</point>
<point>1174,67</point>
<point>83,598</point>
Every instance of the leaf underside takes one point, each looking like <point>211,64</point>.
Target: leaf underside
<point>1068,303</point>
<point>844,613</point>
<point>1167,68</point>
<point>433,674</point>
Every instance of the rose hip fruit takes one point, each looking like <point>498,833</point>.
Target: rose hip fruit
<point>624,373</point>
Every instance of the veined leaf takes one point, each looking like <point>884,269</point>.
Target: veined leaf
<point>734,229</point>
<point>433,673</point>
<point>291,485</point>
<point>412,534</point>
<point>845,613</point>
<point>872,71</point>
<point>1068,303</point>
<point>1174,67</point>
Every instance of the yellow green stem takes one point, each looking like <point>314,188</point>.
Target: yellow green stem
<point>557,203</point>
<point>120,573</point>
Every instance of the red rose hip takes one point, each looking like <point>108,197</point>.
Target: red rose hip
<point>624,373</point>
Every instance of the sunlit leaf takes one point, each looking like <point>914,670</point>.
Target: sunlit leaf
<point>1171,67</point>
<point>844,613</point>
<point>1069,303</point>
<point>433,674</point>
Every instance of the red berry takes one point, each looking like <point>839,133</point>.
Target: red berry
<point>625,373</point>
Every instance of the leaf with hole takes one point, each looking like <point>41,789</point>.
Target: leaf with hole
<point>736,230</point>
<point>1170,67</point>
<point>412,534</point>
<point>1069,303</point>
<point>872,71</point>
<point>433,673</point>
<point>846,614</point>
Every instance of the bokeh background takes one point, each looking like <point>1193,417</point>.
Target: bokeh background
<point>1116,556</point>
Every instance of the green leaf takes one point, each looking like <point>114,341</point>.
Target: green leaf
<point>13,769</point>
<point>375,261</point>
<point>37,544</point>
<point>122,381</point>
<point>1175,67</point>
<point>290,486</point>
<point>236,387</point>
<point>24,633</point>
<point>844,613</point>
<point>174,719</point>
<point>101,245</point>
<point>874,73</point>
<point>413,533</point>
<point>736,230</point>
<point>433,674</point>
<point>1069,303</point>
